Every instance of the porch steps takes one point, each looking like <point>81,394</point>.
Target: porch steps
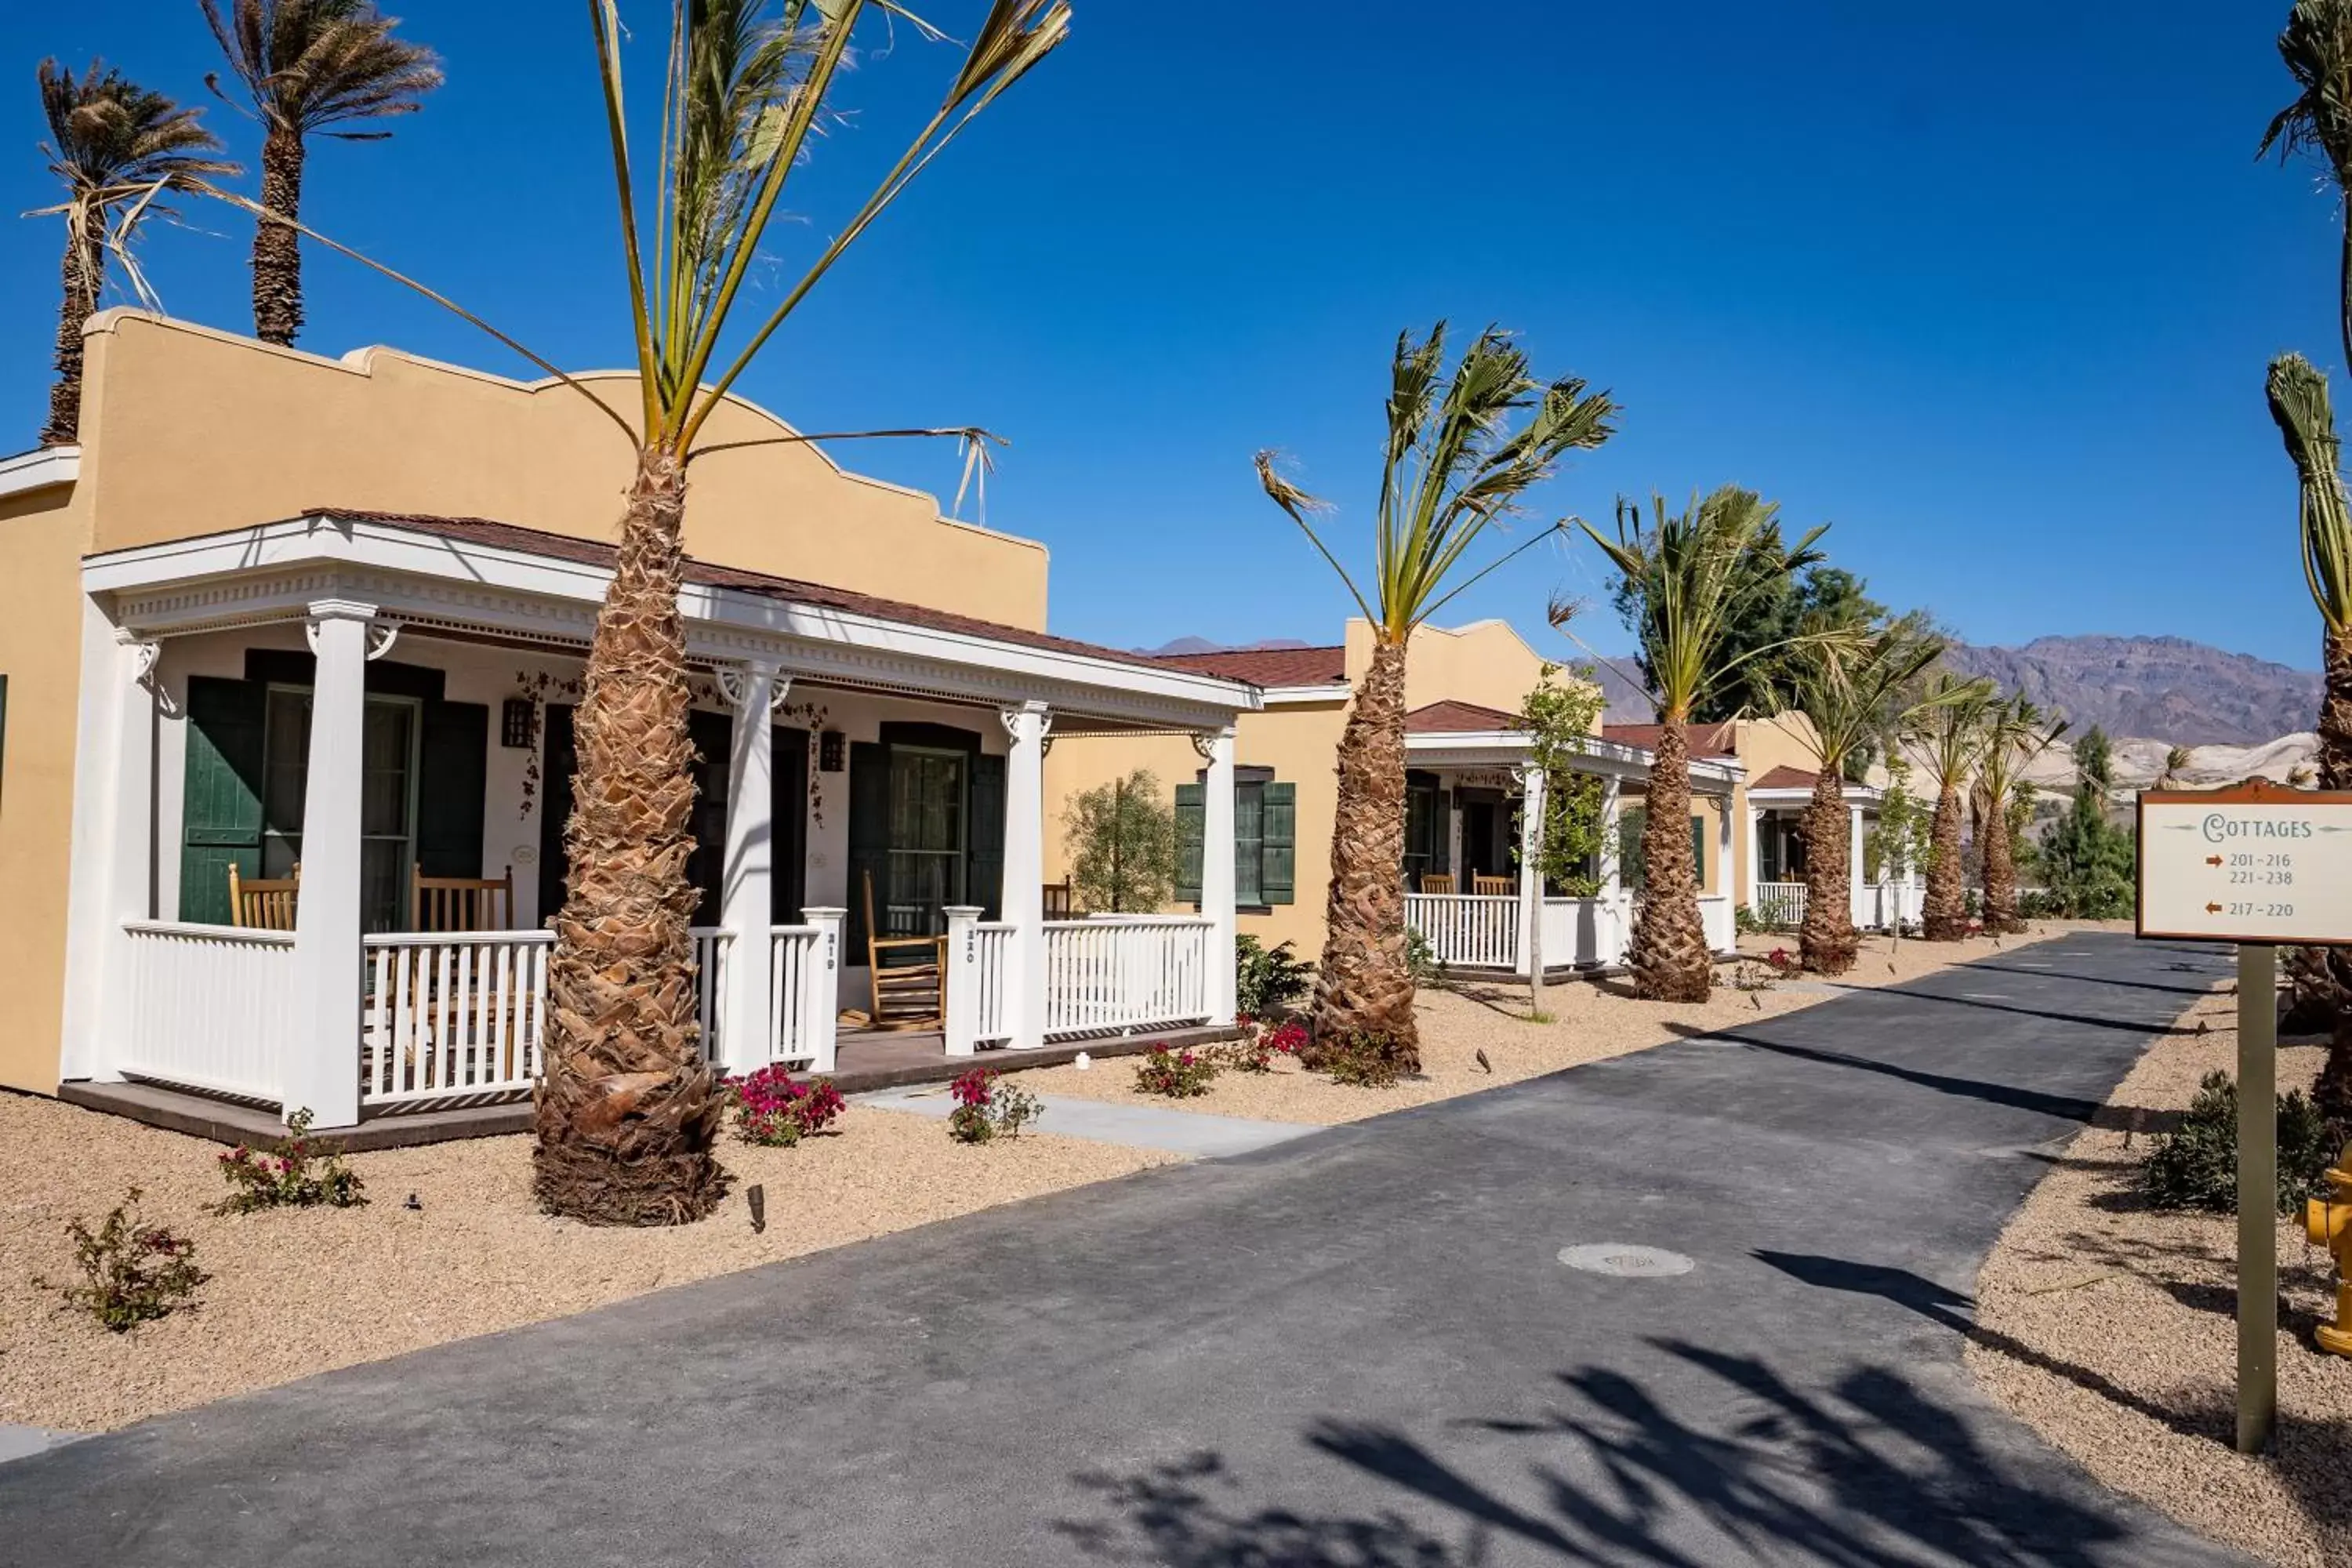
<point>866,1063</point>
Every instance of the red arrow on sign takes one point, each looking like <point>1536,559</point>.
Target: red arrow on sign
<point>2212,859</point>
<point>2213,908</point>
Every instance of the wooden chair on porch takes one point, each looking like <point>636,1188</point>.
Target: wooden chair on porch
<point>911,992</point>
<point>1061,902</point>
<point>1437,883</point>
<point>1494,887</point>
<point>263,905</point>
<point>461,903</point>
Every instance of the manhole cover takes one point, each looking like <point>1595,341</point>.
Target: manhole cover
<point>1626,1260</point>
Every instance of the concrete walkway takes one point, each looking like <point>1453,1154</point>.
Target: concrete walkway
<point>1357,1350</point>
<point>1167,1128</point>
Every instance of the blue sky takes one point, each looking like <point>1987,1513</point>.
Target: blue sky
<point>1990,288</point>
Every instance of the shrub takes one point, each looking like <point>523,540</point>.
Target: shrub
<point>2196,1166</point>
<point>1251,1053</point>
<point>773,1110</point>
<point>987,1107</point>
<point>284,1176</point>
<point>132,1273</point>
<point>1178,1075</point>
<point>1421,962</point>
<point>1268,981</point>
<point>1288,1039</point>
<point>1782,962</point>
<point>1362,1059</point>
<point>1744,921</point>
<point>1748,977</point>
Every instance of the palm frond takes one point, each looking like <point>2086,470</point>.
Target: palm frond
<point>1947,726</point>
<point>118,150</point>
<point>1859,685</point>
<point>2306,421</point>
<point>309,64</point>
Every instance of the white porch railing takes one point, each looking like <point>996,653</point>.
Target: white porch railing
<point>1476,930</point>
<point>1780,904</point>
<point>1106,976</point>
<point>207,1007</point>
<point>979,983</point>
<point>460,1016</point>
<point>801,1000</point>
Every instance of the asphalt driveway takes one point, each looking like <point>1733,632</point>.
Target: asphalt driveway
<point>1359,1347</point>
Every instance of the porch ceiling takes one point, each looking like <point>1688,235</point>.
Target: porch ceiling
<point>1606,759</point>
<point>473,578</point>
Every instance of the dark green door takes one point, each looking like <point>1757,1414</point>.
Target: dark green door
<point>221,814</point>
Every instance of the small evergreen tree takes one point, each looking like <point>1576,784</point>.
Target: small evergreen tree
<point>1558,719</point>
<point>1121,838</point>
<point>2087,861</point>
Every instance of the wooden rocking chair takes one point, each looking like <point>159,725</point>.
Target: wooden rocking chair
<point>907,995</point>
<point>461,903</point>
<point>1437,883</point>
<point>263,905</point>
<point>1494,887</point>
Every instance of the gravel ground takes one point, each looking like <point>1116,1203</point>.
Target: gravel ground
<point>2110,1329</point>
<point>1590,1021</point>
<point>300,1291</point>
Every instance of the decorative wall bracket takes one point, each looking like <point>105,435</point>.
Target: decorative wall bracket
<point>1012,720</point>
<point>1204,742</point>
<point>144,653</point>
<point>734,684</point>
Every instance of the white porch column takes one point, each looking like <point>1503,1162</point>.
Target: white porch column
<point>747,885</point>
<point>1613,931</point>
<point>961,976</point>
<point>1853,845</point>
<point>112,843</point>
<point>1531,889</point>
<point>1726,880</point>
<point>1025,873</point>
<point>1219,887</point>
<point>821,1009</point>
<point>1754,873</point>
<point>323,1072</point>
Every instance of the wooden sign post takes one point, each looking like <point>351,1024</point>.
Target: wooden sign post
<point>2257,865</point>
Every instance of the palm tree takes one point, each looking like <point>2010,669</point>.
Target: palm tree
<point>1453,465</point>
<point>306,65</point>
<point>1857,685</point>
<point>2014,732</point>
<point>2316,46</point>
<point>116,148</point>
<point>2306,420</point>
<point>2176,759</point>
<point>628,1111</point>
<point>1686,579</point>
<point>1948,732</point>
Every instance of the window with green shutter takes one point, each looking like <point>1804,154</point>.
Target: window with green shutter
<point>1698,847</point>
<point>1265,832</point>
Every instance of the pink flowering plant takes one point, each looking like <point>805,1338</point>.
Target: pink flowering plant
<point>291,1173</point>
<point>987,1107</point>
<point>1178,1075</point>
<point>1287,1039</point>
<point>1782,961</point>
<point>131,1272</point>
<point>776,1111</point>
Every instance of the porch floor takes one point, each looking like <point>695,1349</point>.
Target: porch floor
<point>865,1060</point>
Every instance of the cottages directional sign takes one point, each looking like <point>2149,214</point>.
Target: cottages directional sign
<point>2257,863</point>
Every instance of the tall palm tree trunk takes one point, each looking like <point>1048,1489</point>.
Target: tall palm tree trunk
<point>626,1108</point>
<point>1826,941</point>
<point>1364,984</point>
<point>276,248</point>
<point>78,277</point>
<point>2001,914</point>
<point>1669,956</point>
<point>1944,913</point>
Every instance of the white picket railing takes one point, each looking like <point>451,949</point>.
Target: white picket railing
<point>1722,926</point>
<point>800,999</point>
<point>1477,931</point>
<point>988,984</point>
<point>1106,976</point>
<point>452,1015</point>
<point>1780,904</point>
<point>461,1015</point>
<point>206,1007</point>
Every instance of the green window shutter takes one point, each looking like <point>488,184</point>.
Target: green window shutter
<point>1191,815</point>
<point>788,823</point>
<point>869,837</point>
<point>1698,848</point>
<point>452,772</point>
<point>712,736</point>
<point>1249,844</point>
<point>221,814</point>
<point>984,838</point>
<point>1277,881</point>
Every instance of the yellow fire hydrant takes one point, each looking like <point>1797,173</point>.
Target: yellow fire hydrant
<point>2328,1223</point>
